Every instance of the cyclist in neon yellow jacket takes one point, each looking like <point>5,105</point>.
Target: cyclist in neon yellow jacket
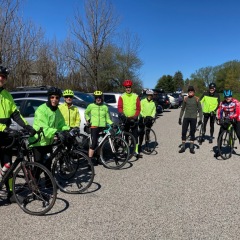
<point>210,101</point>
<point>129,109</point>
<point>49,117</point>
<point>96,115</point>
<point>148,111</point>
<point>8,111</point>
<point>69,111</point>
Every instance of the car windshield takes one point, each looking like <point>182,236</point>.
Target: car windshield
<point>175,95</point>
<point>84,96</point>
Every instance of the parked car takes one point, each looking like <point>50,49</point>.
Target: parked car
<point>174,100</point>
<point>162,99</point>
<point>28,105</point>
<point>111,98</point>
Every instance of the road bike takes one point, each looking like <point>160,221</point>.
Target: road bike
<point>72,169</point>
<point>150,138</point>
<point>227,138</point>
<point>34,188</point>
<point>112,149</point>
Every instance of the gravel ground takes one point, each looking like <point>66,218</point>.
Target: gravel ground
<point>162,196</point>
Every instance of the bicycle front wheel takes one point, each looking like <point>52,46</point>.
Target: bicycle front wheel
<point>73,172</point>
<point>225,144</point>
<point>150,141</point>
<point>114,153</point>
<point>34,188</point>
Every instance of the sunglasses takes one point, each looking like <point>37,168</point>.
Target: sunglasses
<point>68,96</point>
<point>128,87</point>
<point>54,97</point>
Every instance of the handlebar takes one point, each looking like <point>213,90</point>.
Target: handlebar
<point>23,134</point>
<point>224,121</point>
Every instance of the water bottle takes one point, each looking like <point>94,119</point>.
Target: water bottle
<point>4,170</point>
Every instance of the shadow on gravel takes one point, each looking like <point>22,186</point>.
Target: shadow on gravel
<point>166,110</point>
<point>65,207</point>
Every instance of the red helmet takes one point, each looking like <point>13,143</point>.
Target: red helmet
<point>127,83</point>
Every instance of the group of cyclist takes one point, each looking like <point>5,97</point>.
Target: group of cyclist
<point>57,119</point>
<point>208,106</point>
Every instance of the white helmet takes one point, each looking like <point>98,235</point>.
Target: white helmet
<point>149,92</point>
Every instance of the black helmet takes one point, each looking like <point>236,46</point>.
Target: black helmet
<point>4,71</point>
<point>54,91</point>
<point>212,85</point>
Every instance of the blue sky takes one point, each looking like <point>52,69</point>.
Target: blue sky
<point>175,35</point>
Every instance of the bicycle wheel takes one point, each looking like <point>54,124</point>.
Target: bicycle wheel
<point>73,172</point>
<point>150,141</point>
<point>34,188</point>
<point>225,144</point>
<point>131,141</point>
<point>200,135</point>
<point>114,153</point>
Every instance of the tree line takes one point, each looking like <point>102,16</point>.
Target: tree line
<point>95,55</point>
<point>226,76</point>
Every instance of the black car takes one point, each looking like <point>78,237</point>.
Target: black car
<point>162,99</point>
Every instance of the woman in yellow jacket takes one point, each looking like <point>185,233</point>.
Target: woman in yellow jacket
<point>69,111</point>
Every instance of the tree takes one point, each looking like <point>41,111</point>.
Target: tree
<point>91,36</point>
<point>166,83</point>
<point>178,80</point>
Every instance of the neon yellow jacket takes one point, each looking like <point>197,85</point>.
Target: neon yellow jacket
<point>70,114</point>
<point>51,121</point>
<point>8,111</point>
<point>148,108</point>
<point>98,115</point>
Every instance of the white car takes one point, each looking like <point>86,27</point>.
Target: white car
<point>27,107</point>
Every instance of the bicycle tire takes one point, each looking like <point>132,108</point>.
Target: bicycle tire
<point>34,188</point>
<point>83,141</point>
<point>150,141</point>
<point>78,175</point>
<point>114,160</point>
<point>225,144</point>
<point>130,139</point>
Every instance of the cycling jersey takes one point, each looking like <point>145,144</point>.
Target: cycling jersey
<point>148,108</point>
<point>210,102</point>
<point>9,110</point>
<point>98,115</point>
<point>50,121</point>
<point>229,109</point>
<point>70,114</point>
<point>129,105</point>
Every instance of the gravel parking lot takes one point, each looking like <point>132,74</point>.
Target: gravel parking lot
<point>162,196</point>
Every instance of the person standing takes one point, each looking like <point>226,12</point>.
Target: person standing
<point>8,111</point>
<point>190,108</point>
<point>97,116</point>
<point>148,109</point>
<point>49,117</point>
<point>210,101</point>
<point>69,111</point>
<point>129,109</point>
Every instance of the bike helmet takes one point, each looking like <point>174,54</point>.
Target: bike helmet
<point>54,91</point>
<point>68,92</point>
<point>4,71</point>
<point>127,83</point>
<point>97,94</point>
<point>149,92</point>
<point>227,93</point>
<point>212,85</point>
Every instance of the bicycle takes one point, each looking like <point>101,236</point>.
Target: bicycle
<point>130,139</point>
<point>113,150</point>
<point>226,139</point>
<point>150,138</point>
<point>34,188</point>
<point>72,169</point>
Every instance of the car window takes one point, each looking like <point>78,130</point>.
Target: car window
<point>18,95</point>
<point>30,107</point>
<point>109,98</point>
<point>19,103</point>
<point>84,96</point>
